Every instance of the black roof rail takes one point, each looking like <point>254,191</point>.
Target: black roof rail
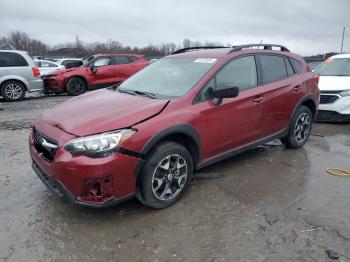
<point>264,46</point>
<point>187,49</point>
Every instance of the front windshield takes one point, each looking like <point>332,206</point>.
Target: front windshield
<point>334,67</point>
<point>169,77</point>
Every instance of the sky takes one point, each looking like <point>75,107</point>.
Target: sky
<point>304,26</point>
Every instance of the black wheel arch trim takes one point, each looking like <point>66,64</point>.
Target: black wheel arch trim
<point>182,129</point>
<point>305,98</point>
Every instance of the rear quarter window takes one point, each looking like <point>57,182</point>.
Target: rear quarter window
<point>273,67</point>
<point>296,65</point>
<point>8,59</point>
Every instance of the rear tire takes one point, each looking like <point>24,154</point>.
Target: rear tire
<point>166,175</point>
<point>75,86</point>
<point>13,90</point>
<point>299,128</point>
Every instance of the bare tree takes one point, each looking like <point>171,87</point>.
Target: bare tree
<point>19,40</point>
<point>5,43</point>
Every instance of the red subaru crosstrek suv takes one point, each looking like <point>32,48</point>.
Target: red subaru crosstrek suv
<point>96,72</point>
<point>145,137</point>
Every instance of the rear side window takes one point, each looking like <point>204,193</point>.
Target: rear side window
<point>132,58</point>
<point>296,65</point>
<point>8,59</point>
<point>274,68</point>
<point>121,60</point>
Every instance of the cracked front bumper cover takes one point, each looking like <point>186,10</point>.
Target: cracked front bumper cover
<point>62,192</point>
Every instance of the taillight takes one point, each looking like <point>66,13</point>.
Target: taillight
<point>316,78</point>
<point>36,72</point>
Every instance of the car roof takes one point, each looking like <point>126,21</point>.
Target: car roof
<point>341,56</point>
<point>15,51</point>
<point>44,60</point>
<point>207,53</point>
<point>136,55</point>
<point>62,59</point>
<point>219,53</point>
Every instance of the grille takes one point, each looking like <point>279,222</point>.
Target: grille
<point>329,98</point>
<point>47,152</point>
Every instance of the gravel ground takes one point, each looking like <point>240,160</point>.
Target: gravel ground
<point>270,204</point>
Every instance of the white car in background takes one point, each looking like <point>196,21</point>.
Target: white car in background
<point>64,61</point>
<point>334,85</point>
<point>46,66</point>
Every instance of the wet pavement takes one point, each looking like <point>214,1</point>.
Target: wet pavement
<point>270,204</point>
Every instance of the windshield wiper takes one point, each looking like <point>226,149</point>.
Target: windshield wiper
<point>137,92</point>
<point>131,92</point>
<point>150,95</point>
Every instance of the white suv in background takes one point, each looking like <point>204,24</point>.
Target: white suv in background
<point>334,85</point>
<point>18,75</point>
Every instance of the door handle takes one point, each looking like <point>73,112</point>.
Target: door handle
<point>297,88</point>
<point>258,99</point>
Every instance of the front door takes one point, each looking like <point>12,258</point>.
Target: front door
<point>101,73</point>
<point>236,121</point>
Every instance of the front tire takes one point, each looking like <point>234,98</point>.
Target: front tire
<point>75,86</point>
<point>13,91</point>
<point>166,175</point>
<point>299,128</point>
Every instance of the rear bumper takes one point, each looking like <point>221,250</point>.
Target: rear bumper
<point>36,85</point>
<point>332,116</point>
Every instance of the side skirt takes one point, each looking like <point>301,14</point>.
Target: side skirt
<point>241,149</point>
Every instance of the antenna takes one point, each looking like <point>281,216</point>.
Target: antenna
<point>342,41</point>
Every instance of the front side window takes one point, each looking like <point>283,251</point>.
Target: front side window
<point>240,72</point>
<point>103,61</point>
<point>274,68</point>
<point>169,77</point>
<point>334,67</point>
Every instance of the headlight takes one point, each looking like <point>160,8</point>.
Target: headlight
<point>345,93</point>
<point>100,145</point>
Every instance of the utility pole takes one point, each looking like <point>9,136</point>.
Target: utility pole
<point>342,41</point>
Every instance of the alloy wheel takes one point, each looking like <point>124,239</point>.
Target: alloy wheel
<point>13,91</point>
<point>302,127</point>
<point>169,177</point>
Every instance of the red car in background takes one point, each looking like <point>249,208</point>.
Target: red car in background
<point>97,71</point>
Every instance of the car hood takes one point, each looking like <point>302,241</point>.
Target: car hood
<point>330,83</point>
<point>101,111</point>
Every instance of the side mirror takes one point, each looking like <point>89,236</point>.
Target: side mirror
<point>93,69</point>
<point>224,91</point>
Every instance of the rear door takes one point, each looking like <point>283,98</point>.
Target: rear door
<point>279,89</point>
<point>126,66</point>
<point>121,67</point>
<point>236,121</point>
